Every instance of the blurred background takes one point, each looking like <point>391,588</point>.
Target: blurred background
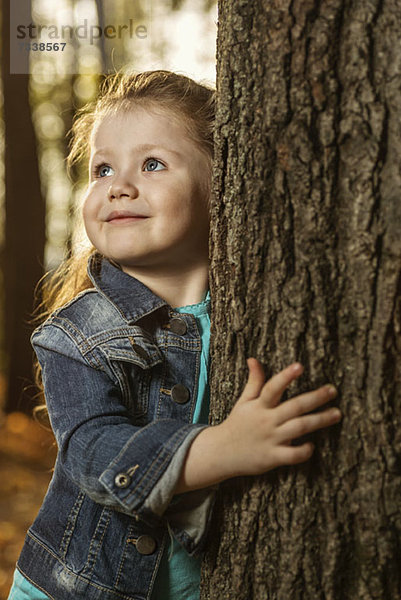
<point>41,87</point>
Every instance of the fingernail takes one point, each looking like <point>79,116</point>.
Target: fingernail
<point>297,367</point>
<point>332,391</point>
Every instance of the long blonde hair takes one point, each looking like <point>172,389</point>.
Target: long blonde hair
<point>191,102</point>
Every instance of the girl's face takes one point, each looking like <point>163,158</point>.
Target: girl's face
<point>145,205</point>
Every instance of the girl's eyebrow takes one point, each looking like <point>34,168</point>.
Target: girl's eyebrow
<point>150,147</point>
<point>141,148</point>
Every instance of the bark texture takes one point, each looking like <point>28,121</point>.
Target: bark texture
<point>306,265</point>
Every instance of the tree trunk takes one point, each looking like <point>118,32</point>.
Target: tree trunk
<point>306,265</point>
<point>24,227</point>
<point>102,42</point>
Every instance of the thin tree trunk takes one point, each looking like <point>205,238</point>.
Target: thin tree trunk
<point>306,265</point>
<point>24,228</point>
<point>102,41</point>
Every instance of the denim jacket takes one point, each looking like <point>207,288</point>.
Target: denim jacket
<point>120,371</point>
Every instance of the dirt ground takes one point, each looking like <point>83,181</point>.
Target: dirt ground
<point>27,454</point>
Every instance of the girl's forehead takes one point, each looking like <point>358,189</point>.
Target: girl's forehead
<point>147,124</point>
<point>137,117</point>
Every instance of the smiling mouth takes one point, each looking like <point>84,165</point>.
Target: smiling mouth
<point>121,217</point>
<point>121,220</point>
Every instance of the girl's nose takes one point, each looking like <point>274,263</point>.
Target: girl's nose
<point>119,190</point>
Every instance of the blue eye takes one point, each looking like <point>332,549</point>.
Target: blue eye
<point>103,170</point>
<point>152,164</point>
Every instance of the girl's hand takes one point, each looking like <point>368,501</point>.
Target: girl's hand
<point>258,432</point>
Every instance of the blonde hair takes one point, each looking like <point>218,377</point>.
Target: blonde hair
<point>190,102</point>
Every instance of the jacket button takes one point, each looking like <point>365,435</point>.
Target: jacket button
<point>140,351</point>
<point>122,480</point>
<point>178,326</point>
<point>180,393</point>
<point>145,544</point>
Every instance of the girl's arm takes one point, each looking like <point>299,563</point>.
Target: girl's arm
<point>256,436</point>
<point>116,462</point>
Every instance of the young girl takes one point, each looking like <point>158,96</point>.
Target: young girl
<point>124,363</point>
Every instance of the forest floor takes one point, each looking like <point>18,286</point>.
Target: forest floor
<point>27,455</point>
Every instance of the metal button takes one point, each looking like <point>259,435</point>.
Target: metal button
<point>180,393</point>
<point>178,326</point>
<point>122,480</point>
<point>145,544</point>
<point>140,351</point>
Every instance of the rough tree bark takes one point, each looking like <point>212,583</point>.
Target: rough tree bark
<point>306,265</point>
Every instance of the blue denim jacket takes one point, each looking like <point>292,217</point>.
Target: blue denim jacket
<point>120,371</point>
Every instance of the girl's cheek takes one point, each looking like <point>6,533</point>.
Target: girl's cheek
<point>85,210</point>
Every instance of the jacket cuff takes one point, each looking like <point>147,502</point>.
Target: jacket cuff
<point>134,482</point>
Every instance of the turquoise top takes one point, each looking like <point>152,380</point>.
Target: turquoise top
<point>178,577</point>
<point>22,589</point>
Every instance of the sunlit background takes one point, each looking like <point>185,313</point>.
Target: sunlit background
<point>180,36</point>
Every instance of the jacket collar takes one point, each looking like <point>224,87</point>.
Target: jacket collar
<point>131,297</point>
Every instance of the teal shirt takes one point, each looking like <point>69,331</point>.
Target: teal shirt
<point>178,577</point>
<point>22,589</point>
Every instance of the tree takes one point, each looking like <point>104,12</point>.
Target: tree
<point>24,227</point>
<point>306,265</point>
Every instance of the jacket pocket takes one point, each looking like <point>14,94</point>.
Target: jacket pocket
<point>134,361</point>
<point>84,537</point>
<point>135,348</point>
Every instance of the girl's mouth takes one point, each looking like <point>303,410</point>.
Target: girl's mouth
<point>121,220</point>
<point>123,216</point>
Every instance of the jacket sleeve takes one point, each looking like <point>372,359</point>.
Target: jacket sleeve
<point>116,463</point>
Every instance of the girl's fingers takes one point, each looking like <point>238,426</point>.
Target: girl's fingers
<point>276,386</point>
<point>292,455</point>
<point>295,428</point>
<point>256,379</point>
<point>304,403</point>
